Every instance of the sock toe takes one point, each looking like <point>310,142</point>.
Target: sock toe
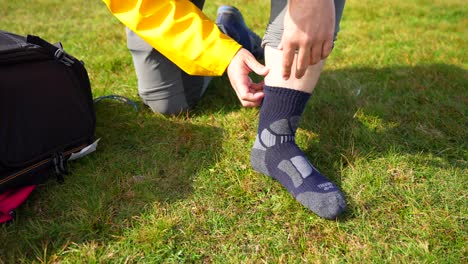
<point>326,205</point>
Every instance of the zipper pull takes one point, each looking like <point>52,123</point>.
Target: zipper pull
<point>63,164</point>
<point>56,167</point>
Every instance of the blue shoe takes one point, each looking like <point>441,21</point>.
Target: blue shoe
<point>230,21</point>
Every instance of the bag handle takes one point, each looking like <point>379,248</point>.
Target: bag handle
<point>54,51</point>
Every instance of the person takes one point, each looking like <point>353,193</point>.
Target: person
<point>188,46</point>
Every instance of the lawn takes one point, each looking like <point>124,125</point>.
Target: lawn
<point>387,122</point>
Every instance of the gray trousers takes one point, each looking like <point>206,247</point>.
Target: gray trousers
<point>166,89</point>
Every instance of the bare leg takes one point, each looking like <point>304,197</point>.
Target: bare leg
<point>273,59</point>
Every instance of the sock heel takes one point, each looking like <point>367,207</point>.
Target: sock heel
<point>257,160</point>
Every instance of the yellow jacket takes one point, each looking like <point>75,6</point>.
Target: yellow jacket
<point>180,31</point>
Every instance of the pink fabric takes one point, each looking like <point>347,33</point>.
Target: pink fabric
<point>11,199</point>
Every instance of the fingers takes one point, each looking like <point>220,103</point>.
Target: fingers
<point>249,93</point>
<point>249,98</point>
<point>316,54</point>
<point>256,66</point>
<point>253,101</point>
<point>305,57</point>
<point>257,86</point>
<point>303,60</point>
<point>288,59</point>
<point>326,49</point>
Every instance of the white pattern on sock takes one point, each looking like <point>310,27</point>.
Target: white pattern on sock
<point>302,165</point>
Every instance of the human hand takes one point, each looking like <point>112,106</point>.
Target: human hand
<point>249,93</point>
<point>309,26</point>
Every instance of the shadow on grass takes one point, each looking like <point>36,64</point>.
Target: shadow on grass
<point>156,151</point>
<point>368,112</point>
<point>143,163</point>
<point>145,159</point>
<point>407,109</point>
<point>372,113</point>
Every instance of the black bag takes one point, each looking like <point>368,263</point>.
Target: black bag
<point>46,110</point>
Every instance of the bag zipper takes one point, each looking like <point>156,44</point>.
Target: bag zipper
<point>59,167</point>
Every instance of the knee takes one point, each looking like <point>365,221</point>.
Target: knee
<point>167,107</point>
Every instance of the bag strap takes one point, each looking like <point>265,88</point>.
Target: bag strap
<point>56,52</point>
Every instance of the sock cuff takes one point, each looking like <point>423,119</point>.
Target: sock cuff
<point>287,96</point>
<point>285,91</point>
<point>283,102</point>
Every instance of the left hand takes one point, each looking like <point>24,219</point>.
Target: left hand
<point>250,94</point>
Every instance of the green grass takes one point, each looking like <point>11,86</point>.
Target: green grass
<point>387,122</point>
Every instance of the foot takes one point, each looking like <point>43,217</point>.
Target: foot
<point>276,154</point>
<point>230,22</point>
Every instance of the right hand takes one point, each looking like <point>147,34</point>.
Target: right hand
<point>250,94</point>
<point>309,26</point>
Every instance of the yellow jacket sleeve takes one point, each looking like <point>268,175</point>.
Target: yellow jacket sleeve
<point>180,31</point>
